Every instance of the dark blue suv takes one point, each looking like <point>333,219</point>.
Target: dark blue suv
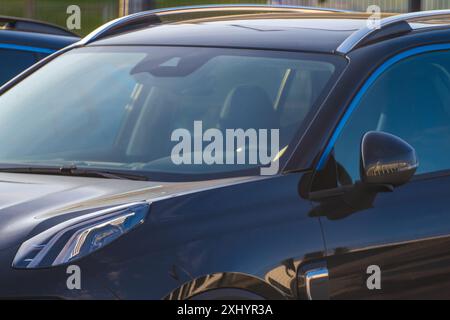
<point>23,42</point>
<point>91,178</point>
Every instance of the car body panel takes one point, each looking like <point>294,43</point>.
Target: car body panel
<point>264,232</point>
<point>25,199</point>
<point>322,32</point>
<point>33,39</point>
<point>275,35</point>
<point>405,233</point>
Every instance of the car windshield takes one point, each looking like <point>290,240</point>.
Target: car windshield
<point>134,108</point>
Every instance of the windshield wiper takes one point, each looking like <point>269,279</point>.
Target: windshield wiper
<point>73,171</point>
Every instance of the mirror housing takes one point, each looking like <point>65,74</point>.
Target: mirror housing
<point>386,159</point>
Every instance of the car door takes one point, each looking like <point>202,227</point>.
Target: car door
<point>392,244</point>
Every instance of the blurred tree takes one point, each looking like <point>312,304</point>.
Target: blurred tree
<point>133,6</point>
<point>415,5</point>
<point>30,8</point>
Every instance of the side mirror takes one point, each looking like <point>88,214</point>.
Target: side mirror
<point>386,159</point>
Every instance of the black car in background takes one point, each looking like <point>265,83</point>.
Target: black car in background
<point>359,208</point>
<point>23,42</point>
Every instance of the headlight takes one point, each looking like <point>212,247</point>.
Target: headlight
<point>76,238</point>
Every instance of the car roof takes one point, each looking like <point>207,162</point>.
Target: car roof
<point>34,39</point>
<point>23,32</point>
<point>314,31</point>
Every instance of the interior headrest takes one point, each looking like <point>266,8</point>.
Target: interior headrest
<point>248,106</point>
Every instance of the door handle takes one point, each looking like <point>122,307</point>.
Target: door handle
<point>313,281</point>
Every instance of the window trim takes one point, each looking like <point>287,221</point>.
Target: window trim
<point>362,91</point>
<point>9,46</point>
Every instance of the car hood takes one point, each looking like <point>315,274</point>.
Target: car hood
<point>27,200</point>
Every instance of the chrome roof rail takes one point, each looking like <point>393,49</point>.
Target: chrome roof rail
<point>358,37</point>
<point>145,17</point>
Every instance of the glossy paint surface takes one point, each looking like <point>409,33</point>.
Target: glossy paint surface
<point>320,32</point>
<point>404,232</point>
<point>260,229</point>
<point>255,227</point>
<point>38,40</point>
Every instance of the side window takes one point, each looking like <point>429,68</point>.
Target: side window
<point>12,62</point>
<point>411,100</point>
